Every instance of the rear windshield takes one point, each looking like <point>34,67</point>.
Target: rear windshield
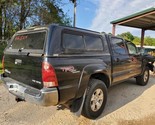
<point>29,41</point>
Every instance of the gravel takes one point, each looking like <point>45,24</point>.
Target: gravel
<point>128,104</point>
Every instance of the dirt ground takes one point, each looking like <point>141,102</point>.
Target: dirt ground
<point>128,104</point>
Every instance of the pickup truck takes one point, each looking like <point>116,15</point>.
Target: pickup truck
<point>71,67</point>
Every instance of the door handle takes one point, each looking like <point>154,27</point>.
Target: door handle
<point>117,60</point>
<point>132,59</point>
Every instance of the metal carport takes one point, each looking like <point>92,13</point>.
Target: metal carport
<point>144,20</point>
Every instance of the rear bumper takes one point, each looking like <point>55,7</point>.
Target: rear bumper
<point>44,97</point>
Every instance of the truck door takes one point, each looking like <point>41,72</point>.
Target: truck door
<point>120,60</point>
<point>135,59</point>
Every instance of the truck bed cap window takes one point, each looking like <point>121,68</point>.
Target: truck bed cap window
<point>71,41</point>
<point>28,41</point>
<point>93,43</point>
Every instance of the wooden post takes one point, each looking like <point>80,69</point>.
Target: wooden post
<point>142,37</point>
<point>113,29</point>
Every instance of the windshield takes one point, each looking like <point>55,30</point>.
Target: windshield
<point>29,41</point>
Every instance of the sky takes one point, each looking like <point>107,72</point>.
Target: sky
<point>97,14</point>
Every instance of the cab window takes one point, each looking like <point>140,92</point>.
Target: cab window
<point>118,46</point>
<point>132,48</point>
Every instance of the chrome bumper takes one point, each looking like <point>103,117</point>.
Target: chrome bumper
<point>44,97</point>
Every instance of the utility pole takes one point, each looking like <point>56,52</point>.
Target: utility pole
<point>74,22</point>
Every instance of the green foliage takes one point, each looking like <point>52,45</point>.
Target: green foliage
<point>136,40</point>
<point>127,36</point>
<point>148,41</point>
<point>19,14</point>
<point>49,11</point>
<point>1,68</point>
<point>2,47</point>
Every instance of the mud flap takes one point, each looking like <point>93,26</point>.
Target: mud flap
<point>78,105</point>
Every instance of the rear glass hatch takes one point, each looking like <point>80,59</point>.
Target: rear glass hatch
<point>23,58</point>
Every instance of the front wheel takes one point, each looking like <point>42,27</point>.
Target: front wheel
<point>144,78</point>
<point>95,99</point>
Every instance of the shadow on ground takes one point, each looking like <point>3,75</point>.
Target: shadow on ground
<point>122,94</point>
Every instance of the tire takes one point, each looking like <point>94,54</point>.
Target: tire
<point>144,78</point>
<point>95,100</point>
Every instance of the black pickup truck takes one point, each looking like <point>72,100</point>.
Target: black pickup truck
<point>73,67</point>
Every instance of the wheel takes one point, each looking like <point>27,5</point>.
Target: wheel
<point>144,78</point>
<point>95,99</point>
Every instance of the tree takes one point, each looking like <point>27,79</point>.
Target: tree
<point>19,14</point>
<point>1,22</point>
<point>127,36</point>
<point>13,14</point>
<point>49,12</point>
<point>148,41</point>
<point>2,2</point>
<point>136,40</point>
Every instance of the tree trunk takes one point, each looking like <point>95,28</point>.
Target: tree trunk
<point>1,21</point>
<point>22,13</point>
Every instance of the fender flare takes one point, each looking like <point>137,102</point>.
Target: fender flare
<point>82,85</point>
<point>86,74</point>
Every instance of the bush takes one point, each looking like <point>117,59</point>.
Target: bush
<point>2,47</point>
<point>1,68</point>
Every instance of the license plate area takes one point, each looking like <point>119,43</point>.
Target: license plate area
<point>13,87</point>
<point>16,89</point>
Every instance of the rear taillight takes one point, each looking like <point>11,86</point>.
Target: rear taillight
<point>48,75</point>
<point>3,64</point>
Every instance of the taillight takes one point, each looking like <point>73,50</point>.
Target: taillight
<point>48,75</point>
<point>3,64</point>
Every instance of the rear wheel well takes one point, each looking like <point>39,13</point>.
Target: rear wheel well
<point>101,77</point>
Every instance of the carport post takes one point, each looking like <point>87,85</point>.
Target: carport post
<point>113,29</point>
<point>142,37</point>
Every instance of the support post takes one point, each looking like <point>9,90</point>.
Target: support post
<point>74,23</point>
<point>142,37</point>
<point>113,29</point>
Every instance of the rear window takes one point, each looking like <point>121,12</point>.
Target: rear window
<point>29,41</point>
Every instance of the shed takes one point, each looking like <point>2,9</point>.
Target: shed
<point>144,20</point>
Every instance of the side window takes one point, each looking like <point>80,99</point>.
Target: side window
<point>118,46</point>
<point>71,41</point>
<point>132,48</point>
<point>93,43</point>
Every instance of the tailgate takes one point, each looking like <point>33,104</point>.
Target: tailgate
<point>24,69</point>
<point>23,58</point>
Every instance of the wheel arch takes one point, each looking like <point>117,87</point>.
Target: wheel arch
<point>103,77</point>
<point>92,71</point>
<point>98,71</point>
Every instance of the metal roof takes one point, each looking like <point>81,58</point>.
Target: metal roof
<point>144,19</point>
